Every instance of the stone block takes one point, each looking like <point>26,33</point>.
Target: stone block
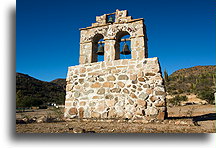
<point>149,74</point>
<point>160,93</point>
<point>95,115</point>
<point>109,96</point>
<point>101,91</point>
<point>73,111</point>
<point>153,98</point>
<point>96,97</point>
<point>76,94</point>
<point>96,85</point>
<point>133,77</point>
<point>161,116</point>
<point>133,95</point>
<point>111,78</point>
<point>131,101</point>
<point>149,91</point>
<point>110,103</point>
<point>68,104</point>
<point>101,106</point>
<point>160,104</point>
<point>111,113</point>
<point>104,115</point>
<point>123,77</point>
<point>82,70</point>
<point>108,84</point>
<point>141,79</point>
<point>82,103</point>
<point>141,102</point>
<point>146,86</point>
<point>121,84</point>
<point>143,96</point>
<point>81,112</point>
<point>81,81</point>
<point>115,90</point>
<point>125,90</point>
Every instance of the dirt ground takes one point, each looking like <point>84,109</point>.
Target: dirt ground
<point>181,119</point>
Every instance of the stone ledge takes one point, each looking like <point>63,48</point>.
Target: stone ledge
<point>115,61</point>
<point>102,25</point>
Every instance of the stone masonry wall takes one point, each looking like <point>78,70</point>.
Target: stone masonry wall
<point>123,23</point>
<point>120,89</point>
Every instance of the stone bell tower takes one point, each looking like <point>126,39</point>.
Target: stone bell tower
<point>112,34</point>
<point>115,88</point>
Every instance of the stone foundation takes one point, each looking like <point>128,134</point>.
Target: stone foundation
<point>119,89</point>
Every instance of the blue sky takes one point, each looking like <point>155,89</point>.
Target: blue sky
<point>180,32</point>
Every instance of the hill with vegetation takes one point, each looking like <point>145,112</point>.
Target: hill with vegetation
<point>34,92</point>
<point>199,80</point>
<point>60,82</point>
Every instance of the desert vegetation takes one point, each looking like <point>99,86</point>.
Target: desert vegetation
<point>33,92</point>
<point>198,80</point>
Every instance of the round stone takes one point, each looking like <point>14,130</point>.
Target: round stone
<point>73,111</point>
<point>121,84</point>
<point>101,91</point>
<point>115,90</point>
<point>141,79</point>
<point>133,95</point>
<point>125,90</point>
<point>111,78</point>
<point>143,96</point>
<point>141,102</point>
<point>96,85</point>
<point>123,77</point>
<point>109,96</point>
<point>76,94</point>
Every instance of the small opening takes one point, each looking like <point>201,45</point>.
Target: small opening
<point>96,43</point>
<point>111,18</point>
<point>100,43</point>
<point>122,56</point>
<point>122,39</point>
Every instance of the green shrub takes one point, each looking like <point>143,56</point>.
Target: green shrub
<point>177,100</point>
<point>207,95</point>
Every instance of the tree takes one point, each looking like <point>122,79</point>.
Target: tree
<point>166,77</point>
<point>19,98</point>
<point>207,95</point>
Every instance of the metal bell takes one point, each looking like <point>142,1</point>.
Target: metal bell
<point>111,19</point>
<point>125,50</point>
<point>100,50</point>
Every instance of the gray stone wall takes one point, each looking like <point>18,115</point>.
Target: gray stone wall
<point>119,89</point>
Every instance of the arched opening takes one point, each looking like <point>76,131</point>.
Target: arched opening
<point>97,47</point>
<point>122,44</point>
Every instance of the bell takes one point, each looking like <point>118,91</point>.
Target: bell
<point>100,50</point>
<point>125,50</point>
<point>111,19</point>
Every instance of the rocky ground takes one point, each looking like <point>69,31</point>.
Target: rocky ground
<point>181,119</point>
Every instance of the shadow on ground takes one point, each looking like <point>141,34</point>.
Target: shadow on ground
<point>205,117</point>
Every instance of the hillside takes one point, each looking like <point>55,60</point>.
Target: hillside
<point>199,80</point>
<point>33,92</point>
<point>60,82</point>
<point>196,70</point>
